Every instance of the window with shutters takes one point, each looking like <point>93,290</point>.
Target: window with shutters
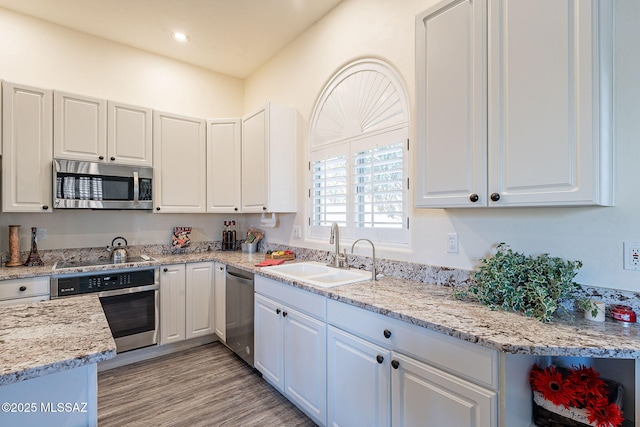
<point>358,156</point>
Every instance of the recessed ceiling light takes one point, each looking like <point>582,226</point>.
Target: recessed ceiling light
<point>180,37</point>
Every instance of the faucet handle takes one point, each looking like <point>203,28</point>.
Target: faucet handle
<point>342,259</point>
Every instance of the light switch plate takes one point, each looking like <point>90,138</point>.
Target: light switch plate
<point>452,243</point>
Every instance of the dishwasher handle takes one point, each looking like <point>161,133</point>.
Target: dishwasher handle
<point>241,279</point>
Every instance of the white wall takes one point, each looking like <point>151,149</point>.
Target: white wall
<point>385,29</point>
<point>41,54</point>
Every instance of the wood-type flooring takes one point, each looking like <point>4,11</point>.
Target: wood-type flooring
<point>203,386</point>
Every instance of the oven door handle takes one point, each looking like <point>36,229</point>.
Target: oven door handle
<point>126,291</point>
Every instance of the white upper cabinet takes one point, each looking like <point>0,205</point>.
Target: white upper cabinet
<point>180,162</point>
<point>269,160</point>
<point>97,130</point>
<point>129,134</point>
<point>223,165</point>
<point>511,112</point>
<point>80,124</point>
<point>27,147</point>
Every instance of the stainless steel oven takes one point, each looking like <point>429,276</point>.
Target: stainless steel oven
<point>129,299</point>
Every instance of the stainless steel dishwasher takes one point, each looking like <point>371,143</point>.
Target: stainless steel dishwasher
<point>239,313</point>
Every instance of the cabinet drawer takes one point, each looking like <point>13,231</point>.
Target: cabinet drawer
<point>472,361</point>
<point>313,304</point>
<point>22,288</point>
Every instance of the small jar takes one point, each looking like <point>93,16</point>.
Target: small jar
<point>623,314</point>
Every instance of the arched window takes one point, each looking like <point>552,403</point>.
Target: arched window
<point>358,155</point>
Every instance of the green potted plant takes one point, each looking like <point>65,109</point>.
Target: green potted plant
<point>533,286</point>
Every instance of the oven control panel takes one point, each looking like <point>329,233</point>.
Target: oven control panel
<point>75,285</point>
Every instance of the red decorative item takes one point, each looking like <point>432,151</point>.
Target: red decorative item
<point>623,313</point>
<point>564,397</point>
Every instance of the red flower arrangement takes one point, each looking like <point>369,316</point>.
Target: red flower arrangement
<point>579,387</point>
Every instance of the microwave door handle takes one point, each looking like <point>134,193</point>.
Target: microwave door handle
<point>136,188</point>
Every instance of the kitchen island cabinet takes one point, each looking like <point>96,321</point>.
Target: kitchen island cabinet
<point>511,113</point>
<point>48,357</point>
<point>27,146</point>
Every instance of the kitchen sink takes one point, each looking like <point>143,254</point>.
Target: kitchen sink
<point>319,274</point>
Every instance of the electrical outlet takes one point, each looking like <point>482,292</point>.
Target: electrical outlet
<point>41,234</point>
<point>452,243</point>
<point>297,231</point>
<point>631,255</point>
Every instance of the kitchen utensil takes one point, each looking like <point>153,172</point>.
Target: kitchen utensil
<point>119,254</point>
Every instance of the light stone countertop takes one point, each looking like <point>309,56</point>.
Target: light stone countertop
<point>42,338</point>
<point>434,307</point>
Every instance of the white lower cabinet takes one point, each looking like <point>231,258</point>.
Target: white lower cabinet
<point>358,381</point>
<point>427,396</point>
<point>383,371</point>
<point>290,344</point>
<point>22,291</point>
<point>219,298</point>
<point>186,301</point>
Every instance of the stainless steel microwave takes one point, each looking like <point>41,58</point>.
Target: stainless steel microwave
<point>89,185</point>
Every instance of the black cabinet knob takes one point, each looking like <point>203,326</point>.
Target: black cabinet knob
<point>101,157</point>
<point>387,333</point>
<point>113,159</point>
<point>264,208</point>
<point>235,209</point>
<point>395,364</point>
<point>165,269</point>
<point>495,197</point>
<point>278,311</point>
<point>474,198</point>
<point>158,208</point>
<point>379,359</point>
<point>284,314</point>
<point>45,207</point>
<point>23,288</point>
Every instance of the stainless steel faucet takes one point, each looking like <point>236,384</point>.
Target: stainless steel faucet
<point>334,238</point>
<point>373,265</point>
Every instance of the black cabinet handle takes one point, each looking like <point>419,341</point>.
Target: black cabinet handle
<point>284,314</point>
<point>101,157</point>
<point>387,333</point>
<point>113,159</point>
<point>495,197</point>
<point>395,364</point>
<point>278,311</point>
<point>165,269</point>
<point>379,359</point>
<point>45,207</point>
<point>23,288</point>
<point>474,197</point>
<point>158,208</point>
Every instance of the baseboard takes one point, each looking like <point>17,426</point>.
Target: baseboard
<point>151,352</point>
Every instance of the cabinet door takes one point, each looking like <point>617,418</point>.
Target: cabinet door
<point>219,312</point>
<point>451,149</point>
<point>172,303</point>
<point>305,361</point>
<point>179,159</point>
<point>549,144</point>
<point>254,161</point>
<point>426,396</point>
<point>200,299</point>
<point>129,136</point>
<point>223,165</point>
<point>27,139</point>
<point>80,127</point>
<point>358,382</point>
<point>269,341</point>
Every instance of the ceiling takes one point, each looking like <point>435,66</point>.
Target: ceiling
<point>233,37</point>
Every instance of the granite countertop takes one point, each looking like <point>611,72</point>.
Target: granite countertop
<point>42,338</point>
<point>434,307</point>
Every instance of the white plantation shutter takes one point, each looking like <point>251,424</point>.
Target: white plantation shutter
<point>358,149</point>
